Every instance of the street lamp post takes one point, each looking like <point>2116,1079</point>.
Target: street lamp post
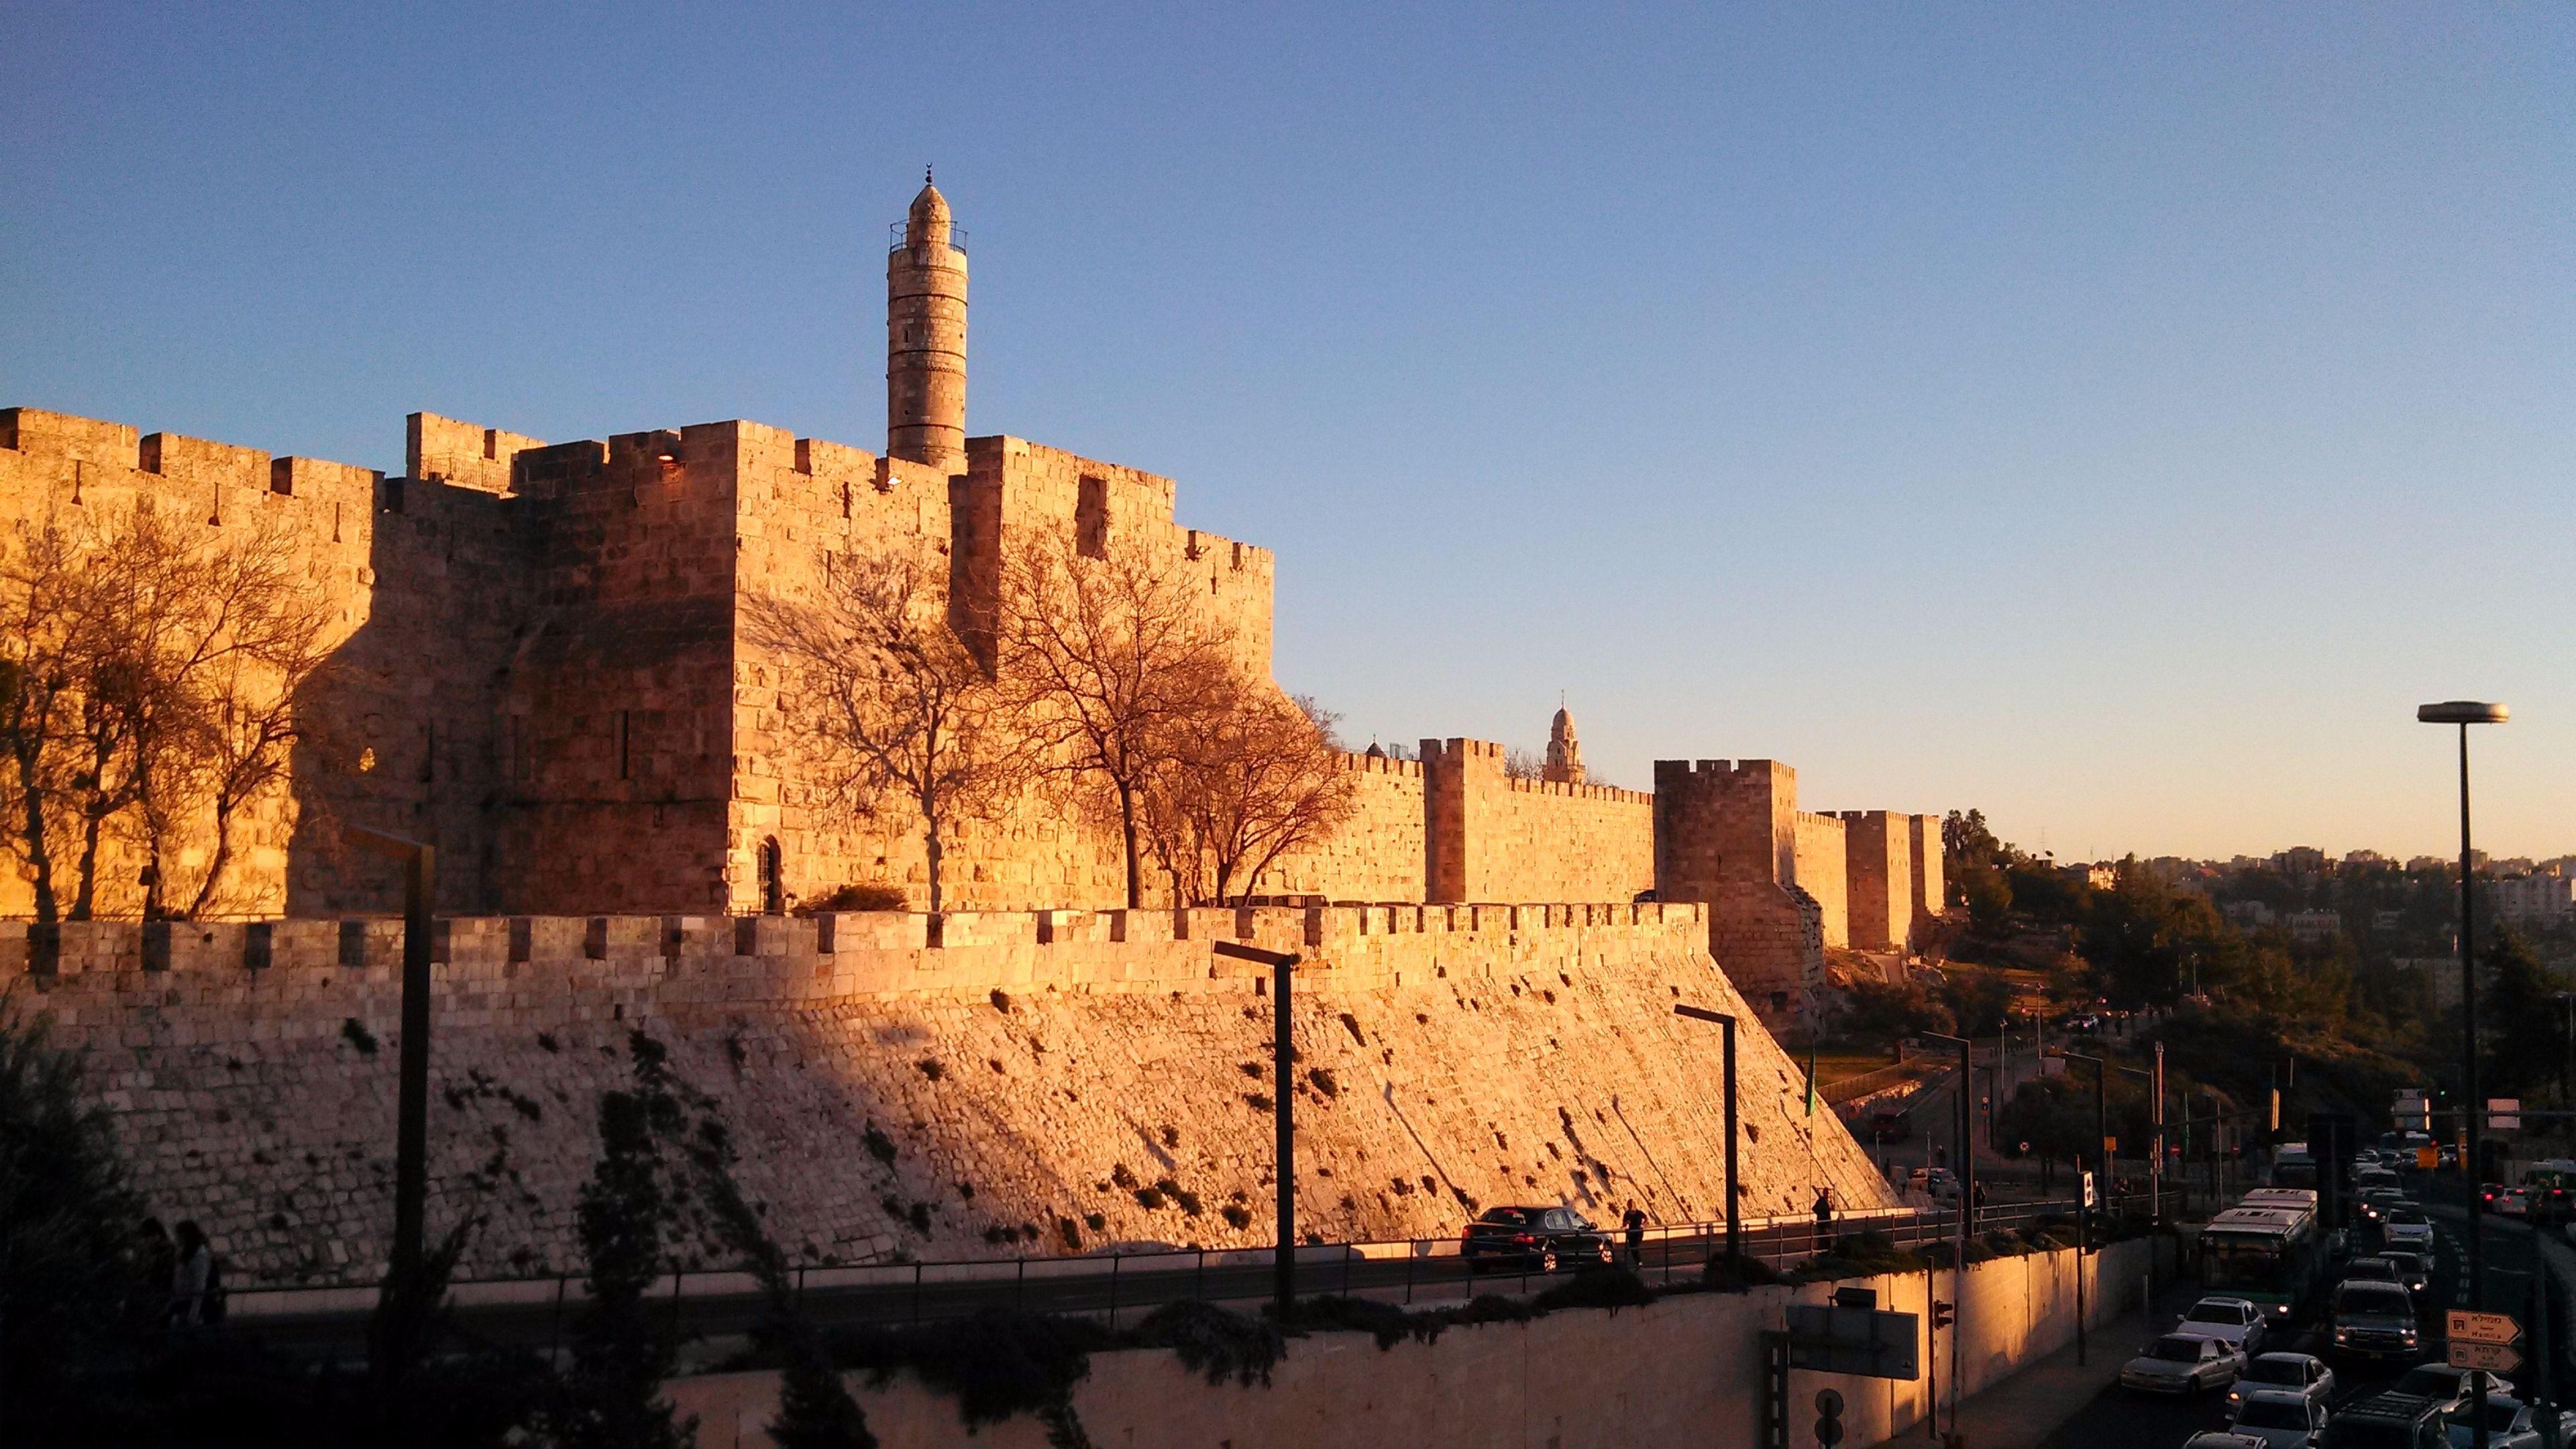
<point>1965,1194</point>
<point>2101,1184</point>
<point>1283,1053</point>
<point>2464,713</point>
<point>1734,1218</point>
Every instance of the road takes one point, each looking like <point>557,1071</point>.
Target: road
<point>2117,1419</point>
<point>1117,1291</point>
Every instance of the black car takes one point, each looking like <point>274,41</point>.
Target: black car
<point>1544,1238</point>
<point>2387,1421</point>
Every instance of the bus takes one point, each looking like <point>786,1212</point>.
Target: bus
<point>2293,1167</point>
<point>2268,1248</point>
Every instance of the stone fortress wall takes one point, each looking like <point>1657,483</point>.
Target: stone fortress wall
<point>956,1086</point>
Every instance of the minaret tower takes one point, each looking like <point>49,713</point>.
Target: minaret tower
<point>926,337</point>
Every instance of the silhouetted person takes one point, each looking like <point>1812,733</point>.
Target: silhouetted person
<point>154,1257</point>
<point>1635,1223</point>
<point>1824,1210</point>
<point>192,1275</point>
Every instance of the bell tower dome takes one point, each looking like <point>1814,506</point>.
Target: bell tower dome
<point>1564,756</point>
<point>926,336</point>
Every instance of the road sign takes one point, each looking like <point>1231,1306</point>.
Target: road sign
<point>2504,1114</point>
<point>2493,1357</point>
<point>1829,1401</point>
<point>2090,1200</point>
<point>2495,1328</point>
<point>2428,1158</point>
<point>1839,1340</point>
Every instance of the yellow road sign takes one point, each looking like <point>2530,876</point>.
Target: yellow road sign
<point>2491,1328</point>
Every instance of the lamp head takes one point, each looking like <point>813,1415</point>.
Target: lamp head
<point>2462,712</point>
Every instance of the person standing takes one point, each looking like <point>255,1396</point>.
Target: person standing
<point>1635,1223</point>
<point>1824,1211</point>
<point>191,1275</point>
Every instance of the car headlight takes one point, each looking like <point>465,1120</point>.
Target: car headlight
<point>2343,1335</point>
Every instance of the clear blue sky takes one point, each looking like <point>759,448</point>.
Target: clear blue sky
<point>2115,417</point>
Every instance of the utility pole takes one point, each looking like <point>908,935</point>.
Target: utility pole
<point>2156,1167</point>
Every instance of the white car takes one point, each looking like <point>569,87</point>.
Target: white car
<point>2284,1373</point>
<point>2234,1321</point>
<point>2280,1421</point>
<point>2510,1425</point>
<point>2182,1363</point>
<point>2407,1228</point>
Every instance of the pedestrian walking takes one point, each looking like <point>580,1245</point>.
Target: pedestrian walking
<point>1635,1223</point>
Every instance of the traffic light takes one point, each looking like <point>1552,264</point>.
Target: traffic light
<point>1944,1314</point>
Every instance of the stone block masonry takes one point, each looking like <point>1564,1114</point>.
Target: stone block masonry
<point>968,1085</point>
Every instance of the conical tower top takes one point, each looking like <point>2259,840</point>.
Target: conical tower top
<point>928,222</point>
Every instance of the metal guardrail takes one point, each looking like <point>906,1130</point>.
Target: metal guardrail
<point>1838,1092</point>
<point>1110,1284</point>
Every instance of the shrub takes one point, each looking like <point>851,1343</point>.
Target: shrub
<point>864,896</point>
<point>1214,1342</point>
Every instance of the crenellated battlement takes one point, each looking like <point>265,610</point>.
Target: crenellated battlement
<point>854,953</point>
<point>1566,791</point>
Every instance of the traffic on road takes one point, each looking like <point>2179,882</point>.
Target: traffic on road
<point>2306,1336</point>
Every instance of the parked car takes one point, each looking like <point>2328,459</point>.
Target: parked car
<point>2279,1420</point>
<point>2408,1228</point>
<point>2287,1373</point>
<point>2182,1363</point>
<point>2386,1421</point>
<point>2374,1320</point>
<point>2511,1424</point>
<point>1544,1238</point>
<point>2414,1271</point>
<point>2236,1321</point>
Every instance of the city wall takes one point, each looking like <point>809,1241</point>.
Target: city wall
<point>940,1087</point>
<point>1683,1371</point>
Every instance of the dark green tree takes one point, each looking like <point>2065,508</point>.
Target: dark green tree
<point>2520,1019</point>
<point>69,1279</point>
<point>611,1395</point>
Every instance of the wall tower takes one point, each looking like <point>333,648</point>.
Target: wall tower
<point>926,337</point>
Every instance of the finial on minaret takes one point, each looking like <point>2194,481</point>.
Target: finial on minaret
<point>925,176</point>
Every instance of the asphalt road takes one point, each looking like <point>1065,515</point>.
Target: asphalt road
<point>2118,1419</point>
<point>1091,1286</point>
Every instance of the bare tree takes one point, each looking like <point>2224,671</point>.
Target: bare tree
<point>1105,658</point>
<point>888,701</point>
<point>48,629</point>
<point>152,672</point>
<point>1245,784</point>
<point>1521,764</point>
